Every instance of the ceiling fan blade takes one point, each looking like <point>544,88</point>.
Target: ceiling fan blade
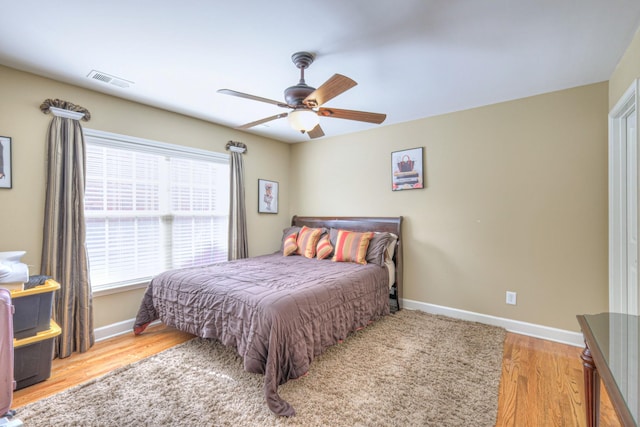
<point>261,121</point>
<point>316,132</point>
<point>252,97</point>
<point>333,87</point>
<point>361,116</point>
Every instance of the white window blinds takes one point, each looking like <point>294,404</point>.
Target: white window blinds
<point>150,207</point>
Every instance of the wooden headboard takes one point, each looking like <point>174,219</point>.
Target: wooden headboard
<point>380,224</point>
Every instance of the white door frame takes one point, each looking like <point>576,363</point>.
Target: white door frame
<point>623,204</point>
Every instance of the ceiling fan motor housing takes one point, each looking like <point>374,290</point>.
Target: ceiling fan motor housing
<point>294,95</point>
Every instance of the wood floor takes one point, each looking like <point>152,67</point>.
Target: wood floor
<point>541,383</point>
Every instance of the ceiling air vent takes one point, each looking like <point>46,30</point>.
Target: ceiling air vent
<point>109,79</point>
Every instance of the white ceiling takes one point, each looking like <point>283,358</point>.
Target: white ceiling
<point>411,58</point>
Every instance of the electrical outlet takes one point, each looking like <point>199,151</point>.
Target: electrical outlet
<point>511,298</point>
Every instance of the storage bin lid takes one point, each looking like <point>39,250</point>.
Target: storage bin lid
<point>49,286</point>
<point>53,331</point>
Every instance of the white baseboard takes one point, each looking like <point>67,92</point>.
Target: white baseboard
<point>516,326</point>
<point>115,329</point>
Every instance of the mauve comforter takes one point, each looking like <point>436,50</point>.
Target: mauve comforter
<point>278,312</point>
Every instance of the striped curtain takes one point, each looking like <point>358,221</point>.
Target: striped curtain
<point>64,256</point>
<point>238,242</point>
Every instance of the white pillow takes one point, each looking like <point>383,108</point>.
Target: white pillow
<point>391,247</point>
<point>388,259</point>
<point>391,268</point>
<point>11,257</point>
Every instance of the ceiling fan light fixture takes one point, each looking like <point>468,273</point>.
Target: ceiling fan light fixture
<point>303,119</point>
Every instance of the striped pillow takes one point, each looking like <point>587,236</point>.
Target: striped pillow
<point>289,245</point>
<point>286,233</point>
<point>324,248</point>
<point>351,246</point>
<point>307,241</point>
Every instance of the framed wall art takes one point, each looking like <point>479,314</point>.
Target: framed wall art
<point>5,162</point>
<point>406,169</point>
<point>267,196</point>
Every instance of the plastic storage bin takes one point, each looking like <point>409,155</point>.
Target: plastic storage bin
<point>33,309</point>
<point>32,357</point>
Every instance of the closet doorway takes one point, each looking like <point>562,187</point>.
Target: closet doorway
<point>623,204</point>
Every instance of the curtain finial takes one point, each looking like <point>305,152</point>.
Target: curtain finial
<point>238,147</point>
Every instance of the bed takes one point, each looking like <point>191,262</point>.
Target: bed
<point>281,310</point>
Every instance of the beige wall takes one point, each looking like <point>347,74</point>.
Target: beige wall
<point>515,199</point>
<point>21,208</point>
<point>626,71</point>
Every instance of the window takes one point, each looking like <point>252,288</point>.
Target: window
<point>150,207</point>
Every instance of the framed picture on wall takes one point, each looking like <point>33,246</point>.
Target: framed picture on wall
<point>267,196</point>
<point>406,169</point>
<point>5,162</point>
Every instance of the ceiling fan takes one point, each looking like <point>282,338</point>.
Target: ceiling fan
<point>305,102</point>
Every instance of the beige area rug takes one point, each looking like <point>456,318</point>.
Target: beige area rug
<point>407,369</point>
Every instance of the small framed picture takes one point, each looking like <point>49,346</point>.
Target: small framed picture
<point>406,169</point>
<point>5,162</point>
<point>267,196</point>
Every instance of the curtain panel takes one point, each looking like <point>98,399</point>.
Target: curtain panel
<point>238,242</point>
<point>64,255</point>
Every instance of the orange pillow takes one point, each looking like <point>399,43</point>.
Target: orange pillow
<point>289,245</point>
<point>352,246</point>
<point>307,241</point>
<point>324,248</point>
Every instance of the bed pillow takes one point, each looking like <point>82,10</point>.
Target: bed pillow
<point>307,241</point>
<point>324,248</point>
<point>286,233</point>
<point>351,246</point>
<point>388,258</point>
<point>377,248</point>
<point>333,236</point>
<point>391,247</point>
<point>289,246</point>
